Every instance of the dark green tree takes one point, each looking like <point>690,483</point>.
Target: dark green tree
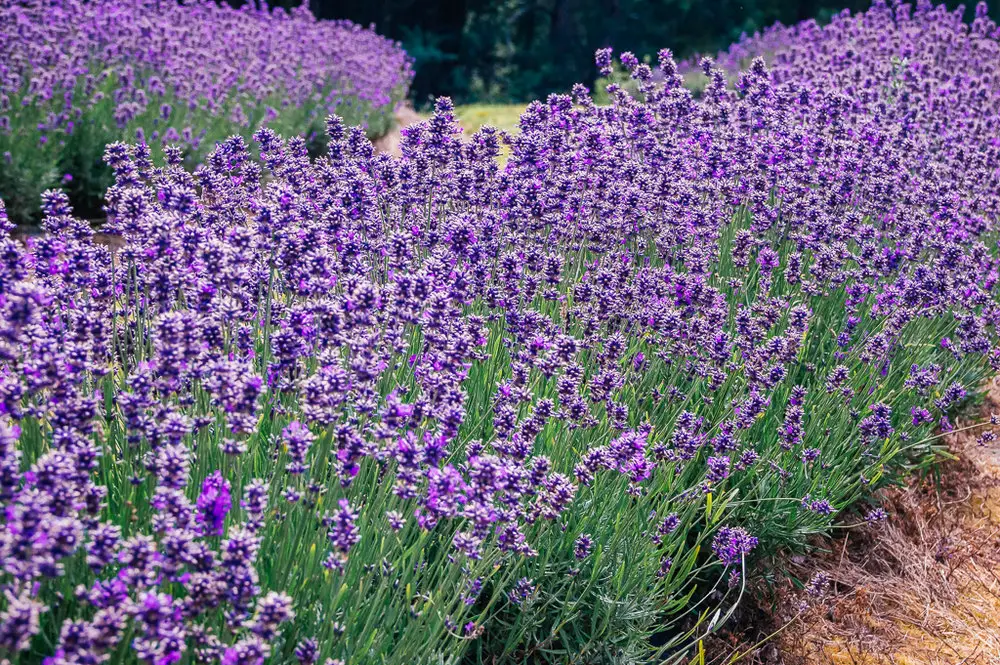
<point>517,50</point>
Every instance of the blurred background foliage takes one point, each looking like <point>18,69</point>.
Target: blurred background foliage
<point>497,51</point>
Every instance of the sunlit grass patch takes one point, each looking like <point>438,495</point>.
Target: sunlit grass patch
<point>502,116</point>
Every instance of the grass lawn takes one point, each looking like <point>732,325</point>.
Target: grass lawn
<point>501,116</point>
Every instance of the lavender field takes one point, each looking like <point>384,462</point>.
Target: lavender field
<point>328,406</point>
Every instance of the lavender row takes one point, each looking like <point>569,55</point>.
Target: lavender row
<point>366,409</point>
<point>77,75</point>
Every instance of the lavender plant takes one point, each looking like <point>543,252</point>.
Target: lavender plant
<point>364,409</point>
<point>78,75</point>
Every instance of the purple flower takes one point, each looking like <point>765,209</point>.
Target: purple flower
<point>214,503</point>
<point>603,59</point>
<point>344,533</point>
<point>732,544</point>
<point>810,455</point>
<point>297,439</point>
<point>523,590</point>
<point>272,610</point>
<point>768,260</point>
<point>876,515</point>
<point>818,584</point>
<point>395,519</point>
<point>629,61</point>
<point>666,563</point>
<point>307,651</point>
<point>255,498</point>
<point>747,459</point>
<point>878,425</point>
<point>482,351</point>
<point>251,650</point>
<point>20,621</point>
<point>952,394</point>
<point>921,416</point>
<point>718,469</point>
<point>819,506</point>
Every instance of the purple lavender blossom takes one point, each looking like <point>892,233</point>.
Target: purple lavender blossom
<point>297,439</point>
<point>214,503</point>
<point>344,533</point>
<point>876,515</point>
<point>522,592</point>
<point>732,544</point>
<point>718,469</point>
<point>603,61</point>
<point>307,651</point>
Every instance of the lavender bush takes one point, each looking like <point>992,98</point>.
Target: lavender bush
<point>76,75</point>
<point>362,409</point>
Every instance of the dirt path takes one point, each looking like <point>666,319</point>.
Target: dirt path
<point>389,144</point>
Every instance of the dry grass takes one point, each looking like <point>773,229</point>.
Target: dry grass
<point>922,588</point>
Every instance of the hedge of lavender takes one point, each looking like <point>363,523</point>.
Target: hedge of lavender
<point>360,409</point>
<point>78,74</point>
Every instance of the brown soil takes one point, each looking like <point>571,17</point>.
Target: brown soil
<point>922,588</point>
